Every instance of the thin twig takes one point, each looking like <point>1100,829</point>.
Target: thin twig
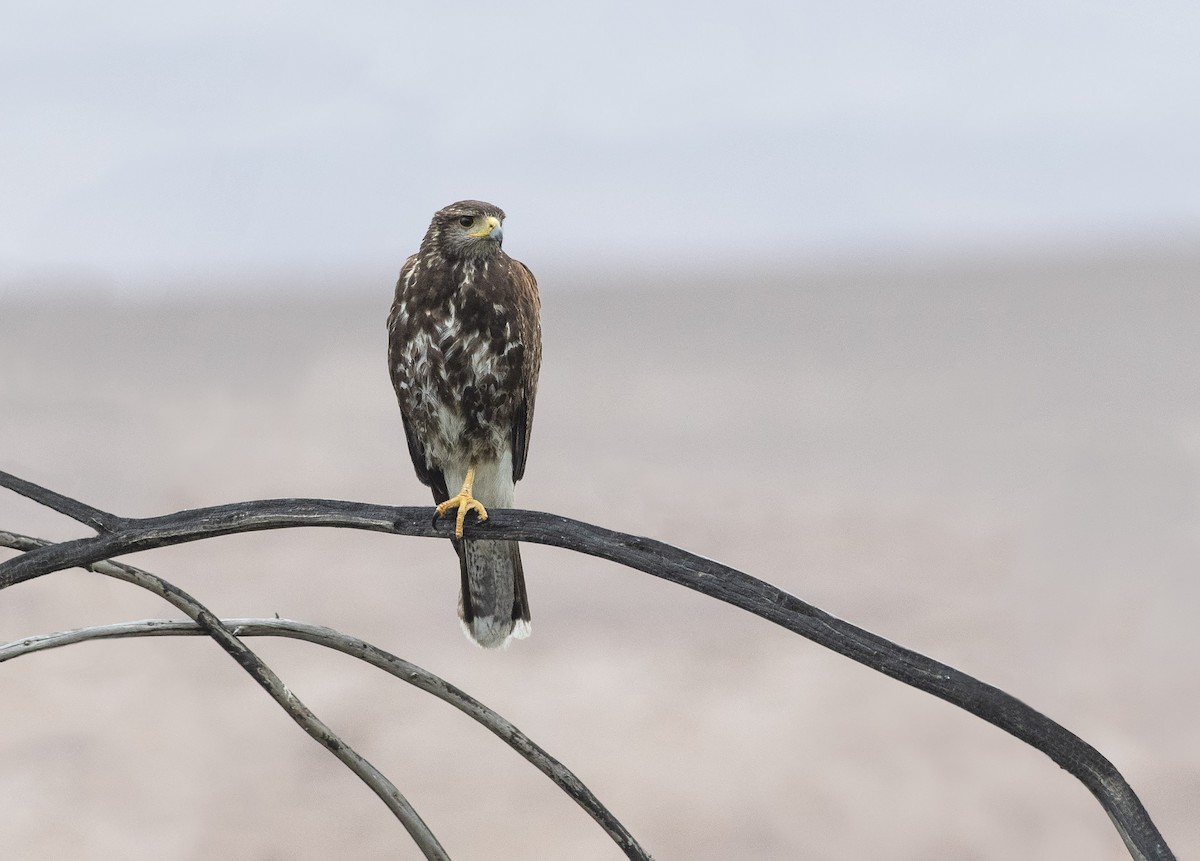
<point>268,680</point>
<point>1001,709</point>
<point>376,657</point>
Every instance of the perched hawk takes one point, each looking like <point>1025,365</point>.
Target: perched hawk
<point>464,349</point>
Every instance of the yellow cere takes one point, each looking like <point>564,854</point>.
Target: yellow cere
<point>491,223</point>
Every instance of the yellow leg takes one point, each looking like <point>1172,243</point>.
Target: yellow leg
<point>464,502</point>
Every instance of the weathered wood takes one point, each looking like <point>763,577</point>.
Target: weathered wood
<point>205,621</point>
<point>993,705</point>
<point>376,657</point>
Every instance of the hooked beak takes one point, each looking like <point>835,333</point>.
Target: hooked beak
<point>491,229</point>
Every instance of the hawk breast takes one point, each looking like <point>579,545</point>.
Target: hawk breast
<point>457,363</point>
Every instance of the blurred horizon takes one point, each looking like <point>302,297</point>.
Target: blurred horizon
<point>151,147</point>
<point>631,277</point>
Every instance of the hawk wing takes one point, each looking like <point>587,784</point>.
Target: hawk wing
<point>432,478</point>
<point>525,286</point>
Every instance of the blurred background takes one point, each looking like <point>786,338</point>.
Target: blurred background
<point>146,143</point>
<point>892,305</point>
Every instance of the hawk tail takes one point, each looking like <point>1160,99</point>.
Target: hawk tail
<point>493,604</point>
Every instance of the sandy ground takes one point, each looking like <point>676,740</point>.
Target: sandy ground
<point>997,464</point>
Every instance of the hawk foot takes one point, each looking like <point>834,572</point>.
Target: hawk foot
<point>464,502</point>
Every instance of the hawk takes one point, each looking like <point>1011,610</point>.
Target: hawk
<point>464,350</point>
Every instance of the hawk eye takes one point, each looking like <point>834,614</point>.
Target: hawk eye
<point>466,220</point>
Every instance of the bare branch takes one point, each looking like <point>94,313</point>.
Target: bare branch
<point>269,681</point>
<point>1102,779</point>
<point>142,628</point>
<point>389,663</point>
<point>86,514</point>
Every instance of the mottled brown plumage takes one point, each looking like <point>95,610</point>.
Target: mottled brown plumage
<point>464,350</point>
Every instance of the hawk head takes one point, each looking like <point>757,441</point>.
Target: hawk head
<point>469,229</point>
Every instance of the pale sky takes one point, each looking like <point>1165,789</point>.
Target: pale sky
<point>143,140</point>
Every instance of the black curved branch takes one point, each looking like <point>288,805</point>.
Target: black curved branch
<point>993,705</point>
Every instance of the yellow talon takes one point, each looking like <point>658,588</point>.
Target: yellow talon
<point>465,502</point>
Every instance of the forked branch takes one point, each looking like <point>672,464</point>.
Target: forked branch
<point>205,621</point>
<point>1102,779</point>
<point>376,657</point>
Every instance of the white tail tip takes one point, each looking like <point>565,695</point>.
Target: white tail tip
<point>491,633</point>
